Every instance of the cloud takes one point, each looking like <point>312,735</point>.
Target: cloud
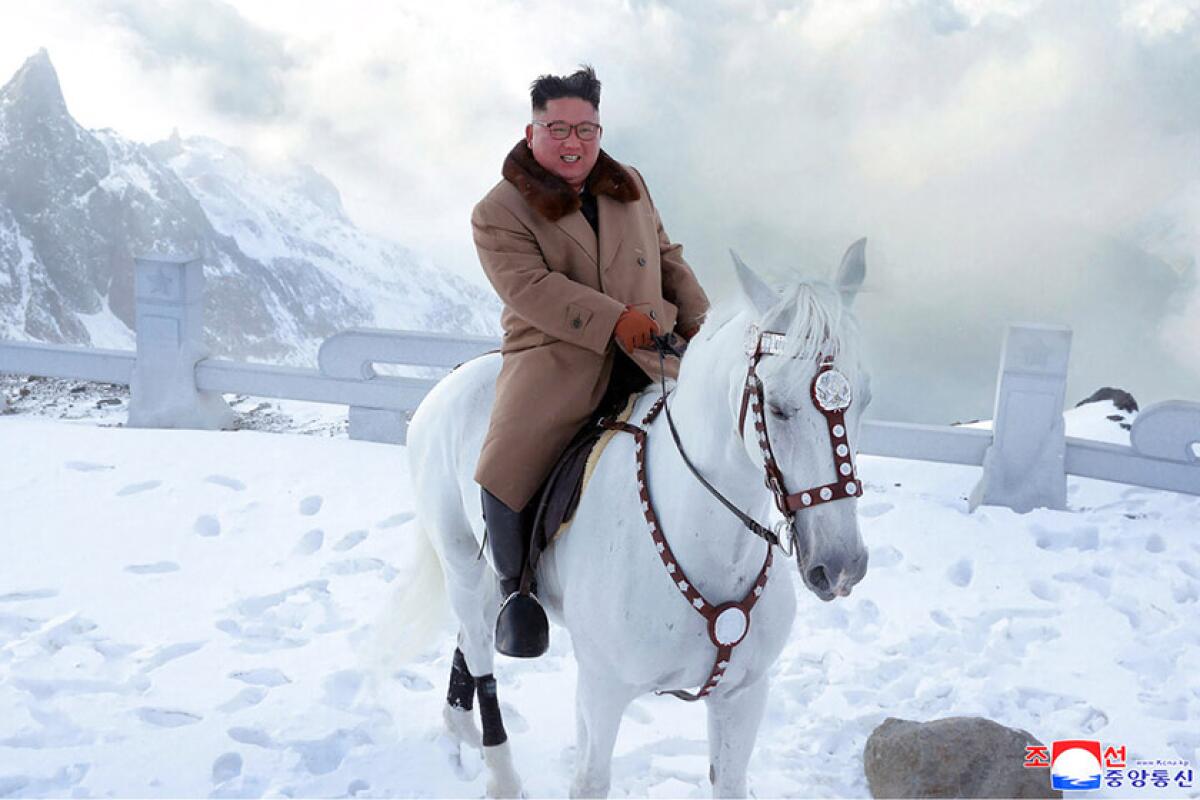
<point>243,65</point>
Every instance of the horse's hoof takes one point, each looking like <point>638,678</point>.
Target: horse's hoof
<point>503,781</point>
<point>460,724</point>
<point>522,630</point>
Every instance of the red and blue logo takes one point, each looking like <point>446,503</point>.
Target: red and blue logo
<point>1075,764</point>
<point>1081,764</point>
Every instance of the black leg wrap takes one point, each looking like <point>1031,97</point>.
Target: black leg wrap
<point>462,685</point>
<point>489,711</point>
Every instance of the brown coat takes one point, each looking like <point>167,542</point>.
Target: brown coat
<point>562,293</point>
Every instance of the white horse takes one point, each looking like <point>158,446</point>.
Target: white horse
<point>633,619</point>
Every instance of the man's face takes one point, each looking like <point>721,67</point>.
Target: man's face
<point>570,159</point>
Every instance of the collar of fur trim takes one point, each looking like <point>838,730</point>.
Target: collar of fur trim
<point>551,196</point>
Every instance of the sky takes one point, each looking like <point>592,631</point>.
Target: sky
<point>1008,160</point>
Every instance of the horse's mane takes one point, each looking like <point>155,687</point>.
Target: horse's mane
<point>812,316</point>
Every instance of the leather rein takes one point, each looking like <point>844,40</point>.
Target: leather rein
<point>728,623</point>
<point>830,393</point>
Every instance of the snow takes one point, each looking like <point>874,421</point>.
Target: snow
<point>189,613</point>
<point>106,331</point>
<point>1098,421</point>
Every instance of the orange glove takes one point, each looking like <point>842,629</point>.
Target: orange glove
<point>634,329</point>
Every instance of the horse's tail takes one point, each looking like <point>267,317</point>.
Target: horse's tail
<point>417,610</point>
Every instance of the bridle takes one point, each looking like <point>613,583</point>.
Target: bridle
<point>728,623</point>
<point>830,393</point>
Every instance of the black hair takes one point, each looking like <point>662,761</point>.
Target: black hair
<point>581,83</point>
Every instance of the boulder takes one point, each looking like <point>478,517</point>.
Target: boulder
<point>952,757</point>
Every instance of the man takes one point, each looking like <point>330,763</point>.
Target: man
<point>577,253</point>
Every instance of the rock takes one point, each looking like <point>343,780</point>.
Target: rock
<point>1120,398</point>
<point>952,757</point>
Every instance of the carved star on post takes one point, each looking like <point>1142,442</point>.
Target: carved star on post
<point>161,283</point>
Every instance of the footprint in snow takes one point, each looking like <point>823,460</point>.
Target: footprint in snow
<point>1185,592</point>
<point>350,540</point>
<point>412,681</point>
<point>942,619</point>
<point>31,594</point>
<point>227,482</point>
<point>227,767</point>
<point>960,572</point>
<point>167,718</point>
<point>1044,590</point>
<point>396,520</point>
<point>885,556</point>
<point>357,785</point>
<point>269,677</point>
<point>155,658</point>
<point>246,698</point>
<point>157,568</point>
<point>254,736</point>
<point>311,505</point>
<point>310,542</point>
<point>206,525</point>
<point>86,466</point>
<point>135,488</point>
<point>323,756</point>
<point>1155,543</point>
<point>1085,537</point>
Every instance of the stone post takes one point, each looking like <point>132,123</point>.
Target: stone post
<point>1024,468</point>
<point>169,314</point>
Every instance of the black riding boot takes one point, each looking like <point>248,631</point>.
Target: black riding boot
<point>521,629</point>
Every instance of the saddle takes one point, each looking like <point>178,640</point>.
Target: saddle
<point>555,502</point>
<point>559,495</point>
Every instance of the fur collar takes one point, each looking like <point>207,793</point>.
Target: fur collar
<point>550,195</point>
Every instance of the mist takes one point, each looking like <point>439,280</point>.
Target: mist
<point>1008,160</point>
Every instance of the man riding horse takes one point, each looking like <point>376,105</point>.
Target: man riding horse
<point>575,248</point>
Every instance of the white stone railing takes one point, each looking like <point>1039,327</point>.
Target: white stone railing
<point>1025,457</point>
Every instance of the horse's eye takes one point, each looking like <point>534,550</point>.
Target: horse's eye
<point>778,412</point>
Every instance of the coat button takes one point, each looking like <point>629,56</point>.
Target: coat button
<point>652,314</point>
<point>576,323</point>
<point>641,261</point>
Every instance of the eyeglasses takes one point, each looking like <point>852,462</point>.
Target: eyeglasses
<point>586,131</point>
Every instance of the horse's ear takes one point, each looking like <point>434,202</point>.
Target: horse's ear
<point>761,296</point>
<point>852,271</point>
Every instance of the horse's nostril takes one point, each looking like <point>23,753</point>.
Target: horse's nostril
<point>818,579</point>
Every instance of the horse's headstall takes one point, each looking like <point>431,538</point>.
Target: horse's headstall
<point>767,343</point>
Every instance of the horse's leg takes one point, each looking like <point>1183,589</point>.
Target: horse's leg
<point>460,703</point>
<point>733,722</point>
<point>475,600</point>
<point>599,704</point>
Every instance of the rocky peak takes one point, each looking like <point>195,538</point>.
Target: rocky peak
<point>34,91</point>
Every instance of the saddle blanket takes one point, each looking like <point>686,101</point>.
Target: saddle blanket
<point>568,480</point>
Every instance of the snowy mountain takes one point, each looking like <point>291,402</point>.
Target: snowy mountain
<point>285,266</point>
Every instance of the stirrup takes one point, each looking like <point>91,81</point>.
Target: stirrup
<point>522,630</point>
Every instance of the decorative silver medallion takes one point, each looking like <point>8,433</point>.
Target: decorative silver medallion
<point>832,390</point>
<point>730,626</point>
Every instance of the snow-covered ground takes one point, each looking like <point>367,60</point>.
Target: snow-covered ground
<point>189,614</point>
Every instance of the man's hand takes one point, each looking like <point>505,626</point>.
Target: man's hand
<point>689,332</point>
<point>634,329</point>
